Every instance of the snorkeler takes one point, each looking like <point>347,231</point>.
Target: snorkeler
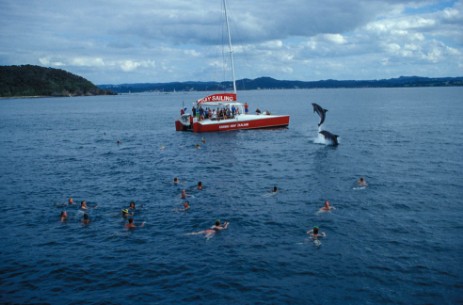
<point>131,225</point>
<point>315,234</point>
<point>362,182</point>
<point>64,216</point>
<point>327,207</point>
<point>125,213</point>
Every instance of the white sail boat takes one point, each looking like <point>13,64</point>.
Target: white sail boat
<point>223,112</point>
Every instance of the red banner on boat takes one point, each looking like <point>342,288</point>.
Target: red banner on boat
<point>219,97</point>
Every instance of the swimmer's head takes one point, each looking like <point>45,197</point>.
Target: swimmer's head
<point>64,214</point>
<point>315,230</point>
<point>217,222</point>
<point>132,204</point>
<point>125,211</point>
<point>130,220</point>
<point>86,216</point>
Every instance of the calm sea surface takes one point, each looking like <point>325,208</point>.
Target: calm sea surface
<point>399,241</point>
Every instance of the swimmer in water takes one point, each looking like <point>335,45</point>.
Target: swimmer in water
<point>85,219</point>
<point>132,205</point>
<point>176,180</point>
<point>315,233</point>
<point>212,230</point>
<point>200,185</point>
<point>84,206</point>
<point>131,225</point>
<point>203,140</point>
<point>362,182</point>
<point>64,216</point>
<point>327,207</point>
<point>125,213</point>
<point>183,195</point>
<point>185,207</point>
<point>70,201</point>
<point>275,189</point>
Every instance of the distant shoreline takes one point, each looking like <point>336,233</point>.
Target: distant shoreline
<point>189,91</point>
<point>268,83</point>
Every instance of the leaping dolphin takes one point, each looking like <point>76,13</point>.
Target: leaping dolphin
<point>329,136</point>
<point>321,112</point>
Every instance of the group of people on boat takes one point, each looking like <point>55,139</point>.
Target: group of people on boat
<point>219,113</point>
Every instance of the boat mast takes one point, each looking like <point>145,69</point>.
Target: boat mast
<point>230,46</point>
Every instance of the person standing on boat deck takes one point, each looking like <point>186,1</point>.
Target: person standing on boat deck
<point>201,113</point>
<point>246,108</point>
<point>182,111</point>
<point>193,110</point>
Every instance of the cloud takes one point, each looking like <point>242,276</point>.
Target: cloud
<point>179,40</point>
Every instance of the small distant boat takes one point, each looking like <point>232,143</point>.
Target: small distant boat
<point>223,112</point>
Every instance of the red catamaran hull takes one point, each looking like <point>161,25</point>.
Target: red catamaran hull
<point>228,125</point>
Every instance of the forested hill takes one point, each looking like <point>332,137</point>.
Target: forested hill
<point>28,80</point>
<point>271,83</point>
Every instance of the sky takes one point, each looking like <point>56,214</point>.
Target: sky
<point>157,41</point>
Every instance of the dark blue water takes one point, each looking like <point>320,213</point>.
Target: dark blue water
<point>397,242</point>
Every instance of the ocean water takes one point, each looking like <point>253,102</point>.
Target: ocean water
<point>399,241</point>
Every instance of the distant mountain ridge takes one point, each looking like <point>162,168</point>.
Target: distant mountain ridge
<point>29,80</point>
<point>271,83</point>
